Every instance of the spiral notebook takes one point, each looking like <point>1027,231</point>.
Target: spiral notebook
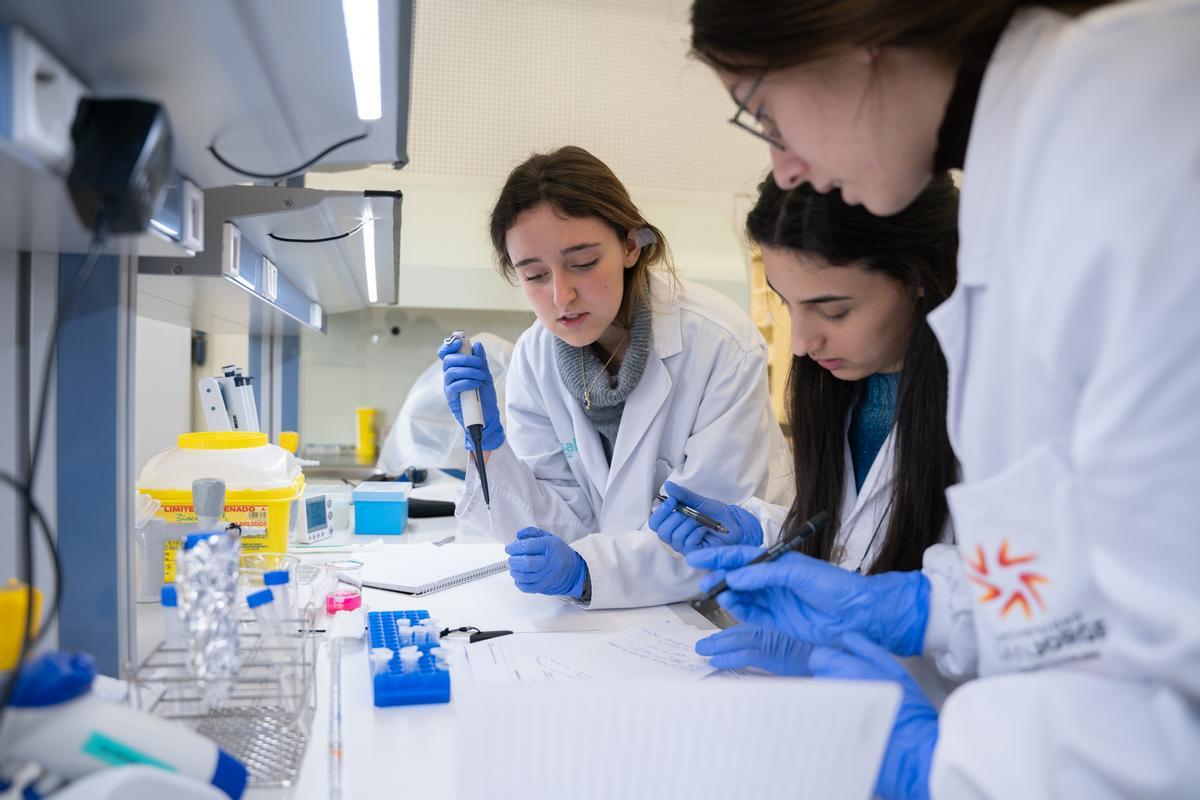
<point>423,568</point>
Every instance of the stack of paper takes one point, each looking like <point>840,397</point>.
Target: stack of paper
<point>757,737</point>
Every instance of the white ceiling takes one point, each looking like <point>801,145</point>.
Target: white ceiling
<point>495,81</point>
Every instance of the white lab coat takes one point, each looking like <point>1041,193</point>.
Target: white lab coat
<point>862,528</point>
<point>1072,341</point>
<point>863,512</point>
<point>700,416</point>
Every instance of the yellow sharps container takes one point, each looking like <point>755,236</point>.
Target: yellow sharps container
<point>365,441</point>
<point>261,482</point>
<point>14,610</point>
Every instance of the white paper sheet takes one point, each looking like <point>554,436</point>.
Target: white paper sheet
<point>663,650</point>
<point>756,737</point>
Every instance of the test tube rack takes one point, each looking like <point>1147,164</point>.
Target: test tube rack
<point>393,685</point>
<point>265,720</point>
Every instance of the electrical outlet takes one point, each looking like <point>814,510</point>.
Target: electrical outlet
<point>231,254</point>
<point>192,235</point>
<point>44,97</point>
<point>272,282</point>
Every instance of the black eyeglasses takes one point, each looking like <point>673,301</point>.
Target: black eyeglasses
<point>762,128</point>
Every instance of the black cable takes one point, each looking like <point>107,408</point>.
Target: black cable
<point>334,238</point>
<point>477,636</point>
<point>39,516</point>
<point>62,313</point>
<point>24,487</point>
<point>465,629</point>
<point>212,148</point>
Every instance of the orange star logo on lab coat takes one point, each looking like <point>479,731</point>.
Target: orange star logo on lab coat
<point>1008,578</point>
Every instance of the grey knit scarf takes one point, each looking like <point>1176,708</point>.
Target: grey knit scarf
<point>607,393</point>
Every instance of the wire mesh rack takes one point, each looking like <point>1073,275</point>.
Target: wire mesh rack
<point>264,720</point>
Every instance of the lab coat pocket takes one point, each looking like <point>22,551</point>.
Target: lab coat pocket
<point>1021,547</point>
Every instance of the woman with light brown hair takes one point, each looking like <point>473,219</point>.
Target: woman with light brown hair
<point>629,377</point>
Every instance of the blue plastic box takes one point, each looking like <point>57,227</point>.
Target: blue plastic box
<point>380,508</point>
<point>393,686</point>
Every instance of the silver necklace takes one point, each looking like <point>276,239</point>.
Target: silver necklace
<point>587,392</point>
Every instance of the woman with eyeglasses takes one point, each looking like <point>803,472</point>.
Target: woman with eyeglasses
<point>1071,340</point>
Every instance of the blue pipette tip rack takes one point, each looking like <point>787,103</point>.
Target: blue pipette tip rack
<point>393,685</point>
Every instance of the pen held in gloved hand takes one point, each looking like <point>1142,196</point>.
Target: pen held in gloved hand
<point>688,511</point>
<point>785,543</point>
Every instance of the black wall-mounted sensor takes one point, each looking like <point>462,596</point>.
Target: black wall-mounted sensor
<point>122,162</point>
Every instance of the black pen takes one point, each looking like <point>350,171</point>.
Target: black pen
<point>814,525</point>
<point>688,511</point>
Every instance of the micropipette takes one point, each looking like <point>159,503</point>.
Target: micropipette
<point>472,411</point>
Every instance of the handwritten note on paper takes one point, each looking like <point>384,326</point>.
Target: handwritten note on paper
<point>663,650</point>
<point>529,659</point>
<point>666,650</point>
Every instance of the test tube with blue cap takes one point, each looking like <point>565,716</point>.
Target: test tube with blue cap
<point>472,412</point>
<point>266,612</point>
<point>173,632</point>
<point>279,582</point>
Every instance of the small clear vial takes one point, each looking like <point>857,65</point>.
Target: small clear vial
<point>266,612</point>
<point>279,581</point>
<point>380,656</point>
<point>403,630</point>
<point>410,657</point>
<point>441,659</point>
<point>173,629</point>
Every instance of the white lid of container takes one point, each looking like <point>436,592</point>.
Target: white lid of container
<point>380,492</point>
<point>244,460</point>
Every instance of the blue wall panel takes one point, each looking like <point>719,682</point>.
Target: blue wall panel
<point>87,453</point>
<point>291,384</point>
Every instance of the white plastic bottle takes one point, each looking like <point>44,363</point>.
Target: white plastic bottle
<point>55,720</point>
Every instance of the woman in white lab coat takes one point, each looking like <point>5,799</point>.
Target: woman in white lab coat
<point>866,390</point>
<point>1071,343</point>
<point>629,377</point>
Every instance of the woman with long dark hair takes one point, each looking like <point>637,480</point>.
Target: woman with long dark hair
<point>867,386</point>
<point>1070,341</point>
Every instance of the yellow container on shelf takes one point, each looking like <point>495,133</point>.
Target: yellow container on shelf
<point>14,610</point>
<point>261,482</point>
<point>365,442</point>
<point>289,440</point>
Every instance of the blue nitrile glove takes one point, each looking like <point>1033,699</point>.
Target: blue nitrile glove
<point>748,645</point>
<point>904,772</point>
<point>686,534</point>
<point>462,372</point>
<point>542,563</point>
<point>814,601</point>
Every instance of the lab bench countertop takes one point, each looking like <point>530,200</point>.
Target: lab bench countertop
<point>416,746</point>
<point>336,463</point>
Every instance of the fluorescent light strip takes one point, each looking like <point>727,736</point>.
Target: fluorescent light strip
<point>362,37</point>
<point>368,240</point>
